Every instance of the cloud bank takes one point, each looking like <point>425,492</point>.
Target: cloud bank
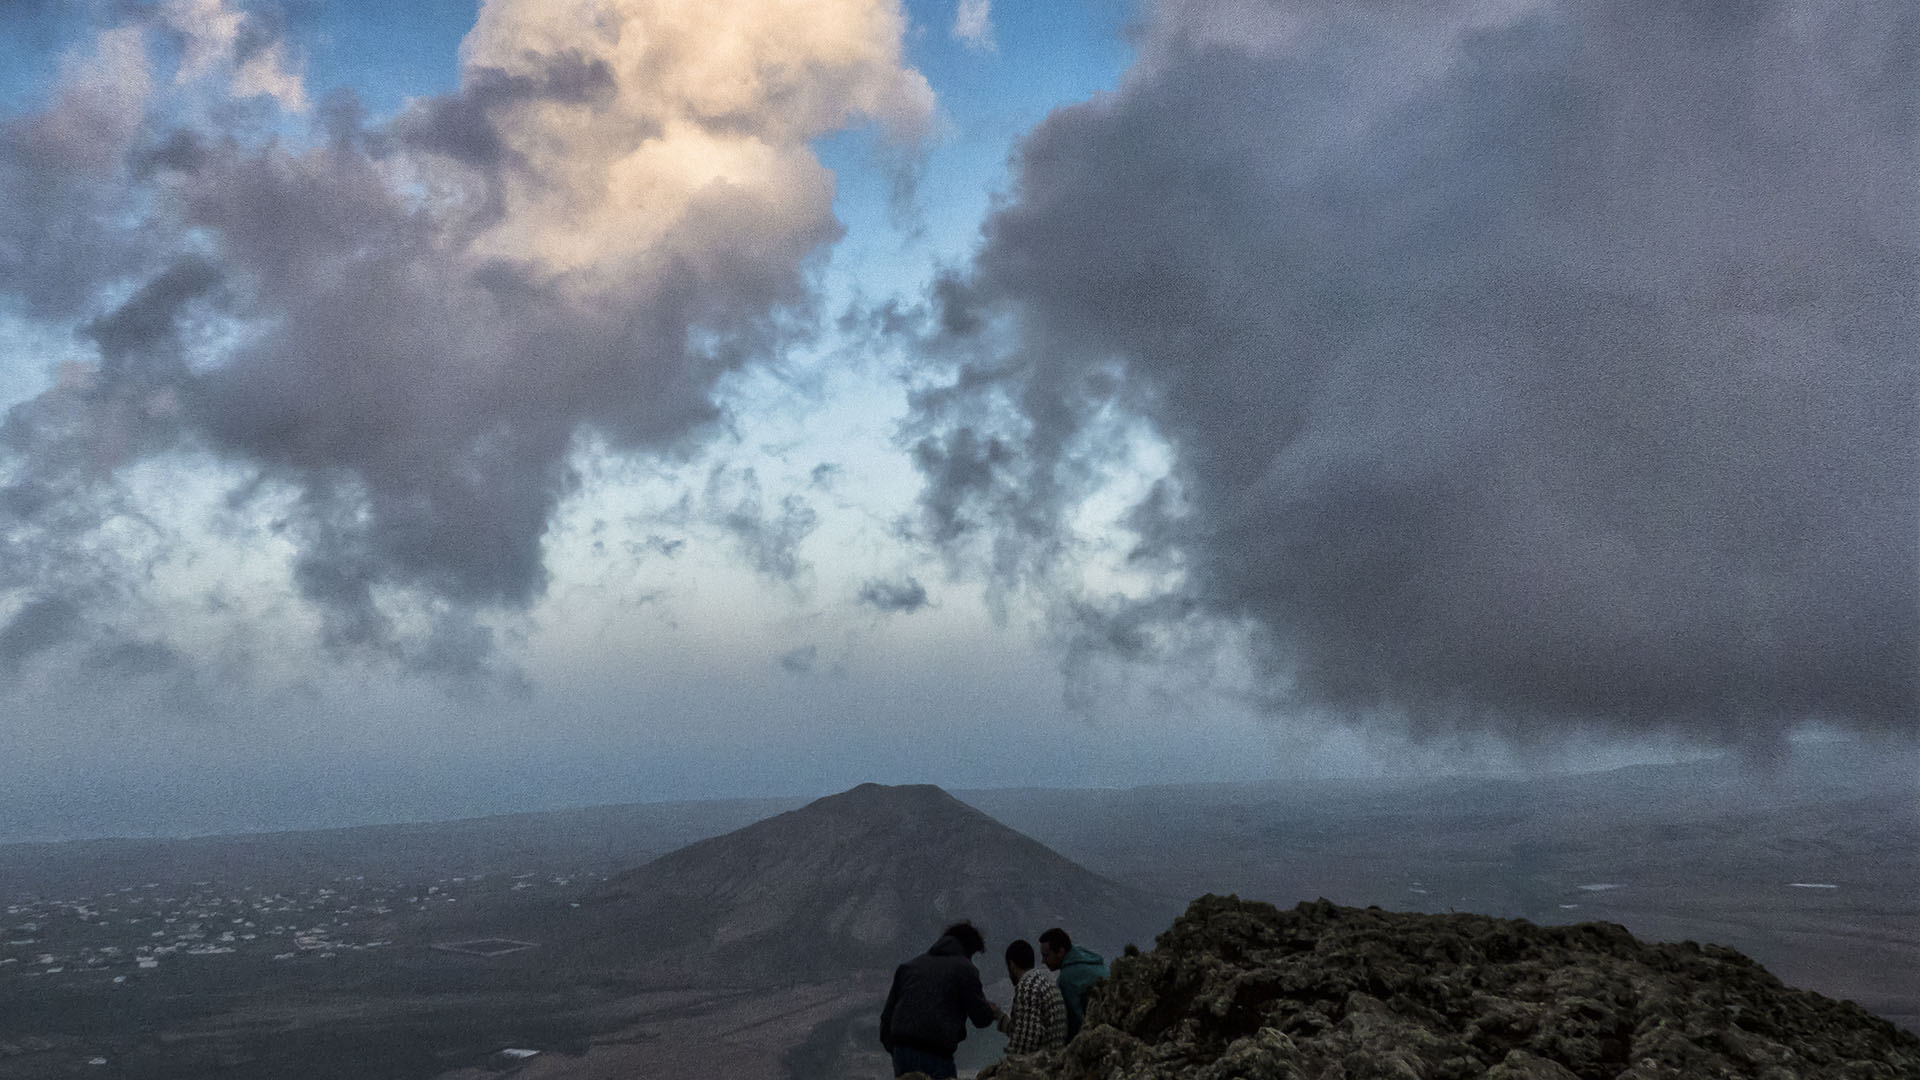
<point>1522,365</point>
<point>402,329</point>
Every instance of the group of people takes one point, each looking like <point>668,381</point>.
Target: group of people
<point>936,994</point>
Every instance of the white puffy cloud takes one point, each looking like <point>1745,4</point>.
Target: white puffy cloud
<point>401,333</point>
<point>973,24</point>
<point>684,114</point>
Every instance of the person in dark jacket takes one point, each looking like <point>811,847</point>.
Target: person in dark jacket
<point>1075,967</point>
<point>933,996</point>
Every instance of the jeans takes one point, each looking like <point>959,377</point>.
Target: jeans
<point>906,1059</point>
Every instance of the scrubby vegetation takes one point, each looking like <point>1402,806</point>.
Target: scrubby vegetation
<point>1239,989</point>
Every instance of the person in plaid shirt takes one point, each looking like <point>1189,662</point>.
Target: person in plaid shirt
<point>1038,1019</point>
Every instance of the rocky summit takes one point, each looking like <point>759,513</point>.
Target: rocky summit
<point>1239,989</point>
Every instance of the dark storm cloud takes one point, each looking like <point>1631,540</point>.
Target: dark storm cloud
<point>800,661</point>
<point>1550,367</point>
<point>904,596</point>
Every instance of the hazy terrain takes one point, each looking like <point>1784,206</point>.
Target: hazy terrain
<point>326,954</point>
<point>1813,867</point>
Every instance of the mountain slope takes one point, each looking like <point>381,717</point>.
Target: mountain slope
<point>864,878</point>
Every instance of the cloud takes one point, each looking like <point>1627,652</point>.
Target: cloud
<point>136,658</point>
<point>220,39</point>
<point>1521,366</point>
<point>973,24</point>
<point>904,596</point>
<point>39,625</point>
<point>800,661</point>
<point>770,541</point>
<point>402,332</point>
<point>826,475</point>
<point>60,197</point>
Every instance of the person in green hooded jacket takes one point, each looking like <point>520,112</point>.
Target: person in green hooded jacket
<point>1076,967</point>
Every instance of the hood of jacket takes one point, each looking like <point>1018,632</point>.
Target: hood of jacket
<point>1080,954</point>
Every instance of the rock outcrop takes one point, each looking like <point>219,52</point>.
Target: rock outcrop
<point>1239,989</point>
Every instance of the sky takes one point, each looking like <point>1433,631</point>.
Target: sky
<point>416,410</point>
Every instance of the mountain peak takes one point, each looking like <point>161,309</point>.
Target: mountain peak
<point>872,796</point>
<point>867,876</point>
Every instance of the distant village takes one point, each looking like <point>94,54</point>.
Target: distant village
<point>134,931</point>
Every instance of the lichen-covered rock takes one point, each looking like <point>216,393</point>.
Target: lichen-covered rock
<point>1520,1065</point>
<point>1237,990</point>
